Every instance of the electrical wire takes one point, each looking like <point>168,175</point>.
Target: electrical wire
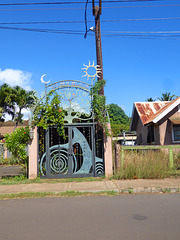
<point>78,8</point>
<point>85,18</point>
<point>161,32</point>
<point>44,30</point>
<point>122,33</point>
<point>81,21</point>
<point>71,2</point>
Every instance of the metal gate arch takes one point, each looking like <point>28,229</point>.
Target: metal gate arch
<point>81,153</point>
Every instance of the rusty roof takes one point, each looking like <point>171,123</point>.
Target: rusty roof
<point>148,111</point>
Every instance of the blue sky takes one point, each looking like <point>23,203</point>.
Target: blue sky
<point>135,68</point>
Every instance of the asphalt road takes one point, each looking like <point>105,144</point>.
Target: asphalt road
<point>126,217</point>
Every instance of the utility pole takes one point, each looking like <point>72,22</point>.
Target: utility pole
<point>97,12</point>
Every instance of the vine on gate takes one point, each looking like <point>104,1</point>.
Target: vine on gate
<point>99,106</point>
<point>50,113</point>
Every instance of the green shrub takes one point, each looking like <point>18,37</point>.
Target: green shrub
<point>16,143</point>
<point>9,161</point>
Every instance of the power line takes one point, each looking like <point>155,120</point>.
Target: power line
<point>117,33</point>
<point>43,30</point>
<point>161,32</point>
<point>78,8</point>
<point>81,21</point>
<point>71,2</point>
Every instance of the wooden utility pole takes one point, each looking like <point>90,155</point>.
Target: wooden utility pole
<point>97,13</point>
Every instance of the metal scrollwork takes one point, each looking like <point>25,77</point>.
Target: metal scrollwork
<point>59,157</point>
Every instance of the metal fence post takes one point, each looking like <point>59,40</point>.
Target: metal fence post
<point>171,162</point>
<point>122,157</point>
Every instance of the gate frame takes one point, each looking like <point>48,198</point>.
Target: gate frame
<point>71,175</point>
<point>33,145</point>
<point>33,155</point>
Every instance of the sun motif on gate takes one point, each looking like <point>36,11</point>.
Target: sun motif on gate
<point>91,70</point>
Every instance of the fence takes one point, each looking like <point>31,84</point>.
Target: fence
<point>119,153</point>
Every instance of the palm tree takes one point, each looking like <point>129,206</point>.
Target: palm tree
<point>167,97</point>
<point>1,114</point>
<point>14,99</point>
<point>150,99</point>
<point>7,99</point>
<point>24,100</point>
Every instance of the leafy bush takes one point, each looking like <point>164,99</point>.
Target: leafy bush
<point>49,113</point>
<point>9,161</point>
<point>16,143</point>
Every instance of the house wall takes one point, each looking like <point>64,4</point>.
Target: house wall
<point>141,132</point>
<point>165,127</point>
<point>156,135</point>
<point>162,129</point>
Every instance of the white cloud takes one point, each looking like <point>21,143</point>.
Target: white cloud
<point>26,114</point>
<point>15,77</point>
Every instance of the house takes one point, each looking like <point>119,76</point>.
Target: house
<point>156,123</point>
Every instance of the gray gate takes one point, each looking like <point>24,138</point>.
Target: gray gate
<point>80,153</point>
<point>74,156</point>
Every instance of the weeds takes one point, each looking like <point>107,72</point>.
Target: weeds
<point>58,194</point>
<point>145,165</point>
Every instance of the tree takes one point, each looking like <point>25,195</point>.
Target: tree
<point>150,100</point>
<point>24,100</point>
<point>7,100</point>
<point>119,120</point>
<point>167,97</point>
<point>1,115</point>
<point>14,99</point>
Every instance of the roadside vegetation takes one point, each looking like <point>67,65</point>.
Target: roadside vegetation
<point>58,194</point>
<point>147,164</point>
<point>22,179</point>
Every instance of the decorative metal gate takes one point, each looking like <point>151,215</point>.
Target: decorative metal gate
<point>80,153</point>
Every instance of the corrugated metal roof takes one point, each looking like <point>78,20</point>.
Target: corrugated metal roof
<point>163,109</point>
<point>148,110</point>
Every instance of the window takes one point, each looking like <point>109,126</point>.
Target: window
<point>150,136</point>
<point>176,132</point>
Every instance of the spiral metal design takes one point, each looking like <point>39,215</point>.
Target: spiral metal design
<point>81,160</point>
<point>99,167</point>
<point>59,161</point>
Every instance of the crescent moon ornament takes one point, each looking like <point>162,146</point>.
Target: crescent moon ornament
<point>42,80</point>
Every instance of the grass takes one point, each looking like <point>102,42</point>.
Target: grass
<point>145,165</point>
<point>22,179</point>
<point>59,194</point>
